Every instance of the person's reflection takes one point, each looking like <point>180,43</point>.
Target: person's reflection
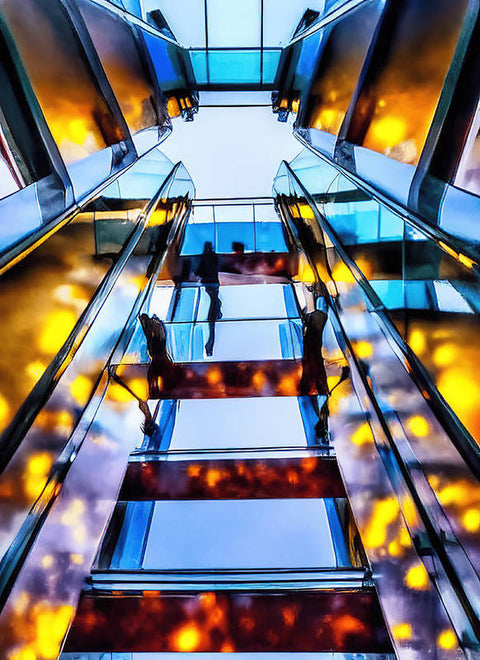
<point>314,376</point>
<point>207,271</point>
<point>161,372</point>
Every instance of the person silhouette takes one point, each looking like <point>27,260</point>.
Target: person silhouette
<point>314,376</point>
<point>161,371</point>
<point>207,271</point>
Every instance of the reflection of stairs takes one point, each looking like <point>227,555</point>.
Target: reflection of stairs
<point>232,532</point>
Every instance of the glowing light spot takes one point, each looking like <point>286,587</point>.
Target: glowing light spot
<point>81,389</point>
<point>389,131</point>
<point>417,342</point>
<point>395,549</point>
<point>4,411</point>
<point>259,381</point>
<point>363,349</point>
<point>402,631</point>
<point>384,513</point>
<point>445,355</point>
<point>213,477</point>
<point>214,376</point>
<point>48,561</point>
<point>187,639</point>
<point>36,471</point>
<point>56,329</point>
<point>35,369</point>
<point>194,470</point>
<point>341,273</point>
<point>417,578</point>
<point>76,558</point>
<point>363,435</point>
<point>471,520</point>
<point>295,104</point>
<point>447,640</point>
<point>419,426</point>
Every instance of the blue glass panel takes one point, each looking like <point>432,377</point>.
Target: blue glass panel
<point>162,61</point>
<point>269,237</point>
<point>195,237</point>
<point>199,63</point>
<point>234,66</point>
<point>228,233</point>
<point>127,553</point>
<point>270,64</point>
<point>133,6</point>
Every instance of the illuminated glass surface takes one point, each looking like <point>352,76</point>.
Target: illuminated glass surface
<point>338,70</point>
<point>79,119</point>
<point>121,60</point>
<point>398,100</point>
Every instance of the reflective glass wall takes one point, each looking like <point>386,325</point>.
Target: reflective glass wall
<point>393,99</point>
<point>116,99</point>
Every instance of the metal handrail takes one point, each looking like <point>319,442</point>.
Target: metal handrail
<point>446,242</point>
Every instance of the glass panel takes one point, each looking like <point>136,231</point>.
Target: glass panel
<point>115,44</point>
<point>239,534</point>
<point>165,62</point>
<point>339,68</point>
<point>199,63</point>
<point>232,341</point>
<point>398,102</point>
<point>79,119</point>
<point>271,59</point>
<point>238,423</point>
<point>252,301</point>
<point>233,24</point>
<point>234,66</point>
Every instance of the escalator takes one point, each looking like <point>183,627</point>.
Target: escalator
<point>394,290</point>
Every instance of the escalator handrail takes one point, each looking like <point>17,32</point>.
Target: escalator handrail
<point>453,426</point>
<point>26,414</point>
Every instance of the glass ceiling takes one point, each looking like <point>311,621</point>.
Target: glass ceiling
<point>221,24</point>
<point>233,43</point>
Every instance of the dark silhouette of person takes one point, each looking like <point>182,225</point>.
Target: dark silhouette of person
<point>161,372</point>
<point>314,376</point>
<point>207,271</point>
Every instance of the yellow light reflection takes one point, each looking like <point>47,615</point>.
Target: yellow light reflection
<point>363,435</point>
<point>471,520</point>
<point>56,328</point>
<point>447,640</point>
<point>81,389</point>
<point>389,131</point>
<point>187,638</point>
<point>4,411</point>
<point>419,426</point>
<point>417,578</point>
<point>402,631</point>
<point>36,471</point>
<point>384,513</point>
